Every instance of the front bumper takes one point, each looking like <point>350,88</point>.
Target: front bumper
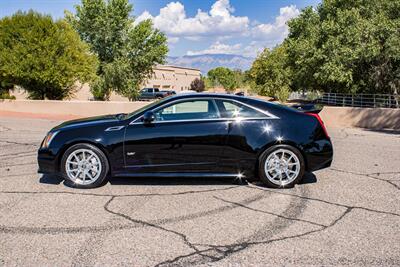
<point>47,162</point>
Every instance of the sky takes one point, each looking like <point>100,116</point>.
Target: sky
<point>194,27</point>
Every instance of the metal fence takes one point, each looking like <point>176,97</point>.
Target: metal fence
<point>360,100</point>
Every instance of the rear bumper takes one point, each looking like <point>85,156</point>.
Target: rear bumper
<point>319,155</point>
<point>323,165</point>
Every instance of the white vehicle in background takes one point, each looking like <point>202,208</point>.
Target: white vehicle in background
<point>186,92</point>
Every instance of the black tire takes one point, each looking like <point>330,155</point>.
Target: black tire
<point>263,157</point>
<point>103,161</point>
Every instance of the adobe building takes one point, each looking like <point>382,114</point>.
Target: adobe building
<point>165,77</point>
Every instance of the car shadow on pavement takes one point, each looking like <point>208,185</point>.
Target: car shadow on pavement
<point>170,181</point>
<point>308,178</point>
<point>151,181</point>
<point>50,179</point>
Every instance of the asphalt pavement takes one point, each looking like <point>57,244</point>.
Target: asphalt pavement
<point>348,214</point>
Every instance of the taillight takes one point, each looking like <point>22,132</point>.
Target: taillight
<point>320,122</point>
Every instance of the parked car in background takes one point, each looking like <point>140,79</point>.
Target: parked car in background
<point>153,93</point>
<point>187,135</point>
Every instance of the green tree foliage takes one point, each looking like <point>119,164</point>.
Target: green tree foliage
<point>43,56</point>
<point>127,51</point>
<point>271,74</point>
<point>342,46</point>
<point>240,78</point>
<point>347,46</point>
<point>197,85</point>
<point>5,88</point>
<point>224,77</point>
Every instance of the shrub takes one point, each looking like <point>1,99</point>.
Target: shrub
<point>43,56</point>
<point>282,94</point>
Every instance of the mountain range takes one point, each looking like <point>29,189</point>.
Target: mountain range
<point>206,62</point>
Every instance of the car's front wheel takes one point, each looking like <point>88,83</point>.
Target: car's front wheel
<point>281,166</point>
<point>84,166</point>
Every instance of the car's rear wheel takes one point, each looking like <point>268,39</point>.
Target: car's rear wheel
<point>84,166</point>
<point>281,166</point>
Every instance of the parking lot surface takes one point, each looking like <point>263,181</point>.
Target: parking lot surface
<point>348,214</point>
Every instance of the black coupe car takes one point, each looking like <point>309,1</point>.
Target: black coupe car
<point>190,135</point>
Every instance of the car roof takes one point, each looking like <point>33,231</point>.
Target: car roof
<point>246,99</point>
<point>256,102</point>
<point>212,95</point>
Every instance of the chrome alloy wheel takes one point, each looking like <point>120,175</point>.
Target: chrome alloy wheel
<point>282,167</point>
<point>83,166</point>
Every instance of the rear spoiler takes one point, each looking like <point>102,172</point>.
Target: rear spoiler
<point>312,110</point>
<point>308,108</point>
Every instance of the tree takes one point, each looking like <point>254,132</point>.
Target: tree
<point>127,51</point>
<point>224,77</point>
<point>271,73</point>
<point>347,47</point>
<point>239,78</point>
<point>46,58</point>
<point>197,85</point>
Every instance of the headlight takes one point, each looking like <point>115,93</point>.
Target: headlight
<point>49,137</point>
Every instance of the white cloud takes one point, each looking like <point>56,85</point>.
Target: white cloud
<point>145,15</point>
<point>250,50</point>
<point>219,24</point>
<point>217,48</point>
<point>173,20</point>
<point>275,32</point>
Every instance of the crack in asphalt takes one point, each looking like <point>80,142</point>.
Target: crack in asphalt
<point>88,252</point>
<point>184,238</point>
<point>19,143</point>
<point>209,212</point>
<point>18,164</point>
<point>90,229</point>
<point>220,252</point>
<point>18,155</point>
<point>267,212</point>
<point>325,201</point>
<point>370,175</point>
<point>122,195</point>
<point>61,230</point>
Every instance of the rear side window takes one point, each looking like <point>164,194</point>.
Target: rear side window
<point>231,109</point>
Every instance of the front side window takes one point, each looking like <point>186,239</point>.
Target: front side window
<point>232,109</point>
<point>188,110</point>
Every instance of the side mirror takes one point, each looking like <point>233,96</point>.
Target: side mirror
<point>148,117</point>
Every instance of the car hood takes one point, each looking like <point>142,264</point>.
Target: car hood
<point>90,121</point>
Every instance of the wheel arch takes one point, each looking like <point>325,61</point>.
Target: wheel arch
<point>283,142</point>
<point>75,142</point>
